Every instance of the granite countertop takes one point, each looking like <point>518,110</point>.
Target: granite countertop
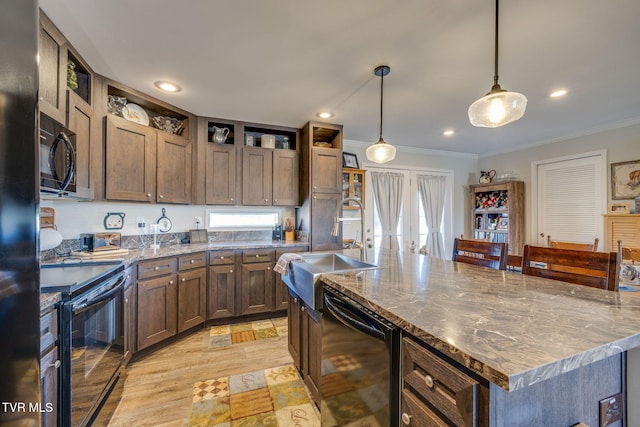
<point>140,254</point>
<point>511,329</point>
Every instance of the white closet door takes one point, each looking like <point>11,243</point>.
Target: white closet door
<point>570,195</point>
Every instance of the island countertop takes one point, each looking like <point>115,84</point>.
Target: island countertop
<point>511,329</point>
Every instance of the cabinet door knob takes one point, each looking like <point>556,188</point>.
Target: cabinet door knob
<point>184,280</point>
<point>428,380</point>
<point>266,200</point>
<point>257,255</point>
<point>171,282</point>
<point>221,257</point>
<point>231,199</point>
<point>315,197</point>
<point>303,308</point>
<point>55,364</point>
<point>156,268</point>
<point>406,419</point>
<point>148,194</point>
<point>268,268</point>
<point>295,300</point>
<point>126,300</point>
<point>161,196</point>
<point>275,200</point>
<point>315,187</point>
<point>193,261</point>
<point>230,271</point>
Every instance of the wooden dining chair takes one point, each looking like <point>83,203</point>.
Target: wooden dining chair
<point>595,269</point>
<point>480,252</point>
<point>591,247</point>
<point>514,263</point>
<point>628,254</point>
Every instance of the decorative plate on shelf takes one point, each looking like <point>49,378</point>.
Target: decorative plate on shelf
<point>135,113</point>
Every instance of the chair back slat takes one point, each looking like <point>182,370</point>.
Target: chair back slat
<point>591,247</point>
<point>595,269</point>
<point>478,252</point>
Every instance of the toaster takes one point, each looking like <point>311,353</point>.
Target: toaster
<point>95,242</point>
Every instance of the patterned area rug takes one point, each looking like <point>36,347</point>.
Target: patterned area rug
<point>226,335</point>
<point>272,397</point>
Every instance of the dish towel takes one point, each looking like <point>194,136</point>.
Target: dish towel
<point>282,266</point>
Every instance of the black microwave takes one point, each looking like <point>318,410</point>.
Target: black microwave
<point>57,157</point>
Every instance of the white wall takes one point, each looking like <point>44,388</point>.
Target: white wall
<point>622,144</point>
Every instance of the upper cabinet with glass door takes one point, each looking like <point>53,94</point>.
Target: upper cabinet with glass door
<point>353,186</point>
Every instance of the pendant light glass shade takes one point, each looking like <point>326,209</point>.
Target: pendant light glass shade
<point>499,106</point>
<point>381,151</point>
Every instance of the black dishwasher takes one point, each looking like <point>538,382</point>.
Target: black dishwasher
<point>360,364</point>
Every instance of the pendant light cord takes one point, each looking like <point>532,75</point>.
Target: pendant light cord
<point>495,66</point>
<point>381,95</point>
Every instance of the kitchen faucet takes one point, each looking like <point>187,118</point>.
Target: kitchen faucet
<point>336,224</point>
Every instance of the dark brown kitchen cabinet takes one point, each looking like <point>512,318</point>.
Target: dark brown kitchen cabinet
<point>192,290</point>
<point>220,174</point>
<point>281,290</point>
<point>257,183</point>
<point>81,121</point>
<point>256,289</point>
<point>49,365</point>
<point>130,161</point>
<point>322,220</point>
<point>436,393</point>
<point>146,165</point>
<point>286,178</point>
<point>156,301</point>
<point>304,343</point>
<point>173,169</point>
<point>321,183</point>
<point>129,308</point>
<point>294,324</point>
<point>223,280</point>
<point>52,52</point>
<point>312,351</point>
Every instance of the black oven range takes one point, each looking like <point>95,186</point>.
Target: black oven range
<point>90,335</point>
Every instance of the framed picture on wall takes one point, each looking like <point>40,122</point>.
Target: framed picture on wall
<point>625,180</point>
<point>350,161</point>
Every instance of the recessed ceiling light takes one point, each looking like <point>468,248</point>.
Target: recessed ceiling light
<point>448,132</point>
<point>167,86</point>
<point>324,114</point>
<point>558,93</point>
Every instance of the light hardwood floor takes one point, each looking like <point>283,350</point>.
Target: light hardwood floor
<point>158,388</point>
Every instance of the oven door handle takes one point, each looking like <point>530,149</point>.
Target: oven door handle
<point>367,328</point>
<point>103,297</point>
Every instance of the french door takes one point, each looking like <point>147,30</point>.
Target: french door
<point>412,226</point>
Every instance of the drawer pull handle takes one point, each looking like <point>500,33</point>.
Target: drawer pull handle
<point>221,257</point>
<point>428,380</point>
<point>193,261</point>
<point>156,268</point>
<point>55,364</point>
<point>406,419</point>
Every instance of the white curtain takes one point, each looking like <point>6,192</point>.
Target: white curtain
<point>387,192</point>
<point>432,193</point>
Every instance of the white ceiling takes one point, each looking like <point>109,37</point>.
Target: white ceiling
<point>281,61</point>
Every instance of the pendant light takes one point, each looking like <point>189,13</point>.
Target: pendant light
<point>499,106</point>
<point>381,151</point>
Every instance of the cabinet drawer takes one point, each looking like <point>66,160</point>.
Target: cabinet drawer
<point>416,414</point>
<point>257,255</point>
<point>440,386</point>
<point>157,268</point>
<point>48,330</point>
<point>197,260</point>
<point>222,257</point>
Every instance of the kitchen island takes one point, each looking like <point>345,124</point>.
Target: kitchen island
<point>544,347</point>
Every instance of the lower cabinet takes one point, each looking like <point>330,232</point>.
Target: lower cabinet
<point>256,290</point>
<point>129,309</point>
<point>436,393</point>
<point>221,288</point>
<point>49,366</point>
<point>171,297</point>
<point>304,343</point>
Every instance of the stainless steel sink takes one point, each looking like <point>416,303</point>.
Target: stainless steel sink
<point>304,276</point>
